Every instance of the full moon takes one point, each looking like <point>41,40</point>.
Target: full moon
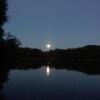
<point>48,46</point>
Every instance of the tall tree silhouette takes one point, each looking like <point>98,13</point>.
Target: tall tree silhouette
<point>3,16</point>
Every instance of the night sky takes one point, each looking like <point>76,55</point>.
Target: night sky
<point>62,23</point>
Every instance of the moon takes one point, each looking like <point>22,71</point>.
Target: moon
<point>48,46</point>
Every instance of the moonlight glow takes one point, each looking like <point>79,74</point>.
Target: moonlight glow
<point>48,46</point>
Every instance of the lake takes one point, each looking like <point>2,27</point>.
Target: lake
<point>48,83</point>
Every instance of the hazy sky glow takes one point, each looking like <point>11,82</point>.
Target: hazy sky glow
<point>62,23</point>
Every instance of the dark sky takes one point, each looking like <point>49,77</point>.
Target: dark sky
<point>62,23</point>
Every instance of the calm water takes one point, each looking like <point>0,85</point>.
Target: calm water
<point>47,83</point>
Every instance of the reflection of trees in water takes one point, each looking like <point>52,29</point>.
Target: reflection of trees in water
<point>3,79</point>
<point>85,67</point>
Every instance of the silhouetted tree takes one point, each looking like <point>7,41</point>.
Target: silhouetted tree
<point>3,16</point>
<point>11,41</point>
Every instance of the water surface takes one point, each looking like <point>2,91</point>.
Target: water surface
<point>47,83</point>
